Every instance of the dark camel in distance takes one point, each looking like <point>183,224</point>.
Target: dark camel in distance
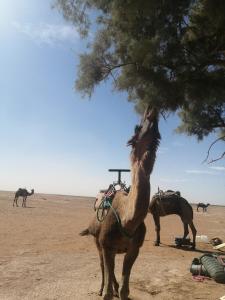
<point>164,204</point>
<point>203,206</point>
<point>24,194</point>
<point>125,232</point>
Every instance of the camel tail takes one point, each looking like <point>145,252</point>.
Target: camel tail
<point>84,232</point>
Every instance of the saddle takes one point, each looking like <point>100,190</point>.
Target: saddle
<point>168,193</point>
<point>111,192</point>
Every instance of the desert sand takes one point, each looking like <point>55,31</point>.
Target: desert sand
<point>43,257</point>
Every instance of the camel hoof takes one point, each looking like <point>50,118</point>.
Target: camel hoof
<point>156,243</point>
<point>100,293</point>
<point>116,294</point>
<point>108,297</point>
<point>124,296</point>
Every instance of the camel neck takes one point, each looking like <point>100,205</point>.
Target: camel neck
<point>138,198</point>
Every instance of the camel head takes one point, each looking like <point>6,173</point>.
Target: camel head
<point>146,135</point>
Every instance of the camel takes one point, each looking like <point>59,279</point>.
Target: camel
<point>123,229</point>
<point>22,193</point>
<point>204,206</point>
<point>163,204</point>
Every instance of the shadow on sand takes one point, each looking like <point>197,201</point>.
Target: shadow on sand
<point>188,248</point>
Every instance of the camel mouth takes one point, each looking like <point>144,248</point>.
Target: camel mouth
<point>132,142</point>
<point>134,138</point>
<point>148,122</point>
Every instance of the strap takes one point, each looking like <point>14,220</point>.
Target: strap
<point>122,230</point>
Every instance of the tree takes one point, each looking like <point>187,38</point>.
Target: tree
<point>170,54</point>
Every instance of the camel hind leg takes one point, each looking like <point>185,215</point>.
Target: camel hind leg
<point>115,283</point>
<point>102,270</point>
<point>186,231</point>
<point>109,276</point>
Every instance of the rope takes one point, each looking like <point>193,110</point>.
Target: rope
<point>200,278</point>
<point>122,230</point>
<point>105,202</point>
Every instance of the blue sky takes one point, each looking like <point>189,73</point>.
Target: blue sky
<point>55,141</point>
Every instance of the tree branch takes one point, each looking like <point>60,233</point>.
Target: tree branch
<point>213,160</point>
<point>213,143</point>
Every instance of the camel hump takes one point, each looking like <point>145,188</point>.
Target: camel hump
<point>84,232</point>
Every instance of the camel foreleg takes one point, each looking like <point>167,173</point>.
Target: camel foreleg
<point>186,231</point>
<point>194,232</point>
<point>129,260</point>
<point>157,229</point>
<point>24,202</point>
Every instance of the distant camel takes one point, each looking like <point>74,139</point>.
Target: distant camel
<point>163,204</point>
<point>22,193</point>
<point>204,206</point>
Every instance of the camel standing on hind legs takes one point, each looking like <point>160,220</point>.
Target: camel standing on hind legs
<point>24,194</point>
<point>123,229</point>
<point>172,203</point>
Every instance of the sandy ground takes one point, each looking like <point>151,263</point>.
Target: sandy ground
<point>43,257</point>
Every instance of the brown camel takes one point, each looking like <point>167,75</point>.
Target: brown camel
<point>123,229</point>
<point>203,206</point>
<point>22,193</point>
<point>163,204</point>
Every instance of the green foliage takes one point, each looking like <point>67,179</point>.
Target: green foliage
<point>170,54</point>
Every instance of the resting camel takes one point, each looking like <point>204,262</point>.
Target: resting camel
<point>204,206</point>
<point>163,204</point>
<point>22,193</point>
<point>123,229</point>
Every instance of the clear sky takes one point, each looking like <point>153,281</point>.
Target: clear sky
<point>54,141</point>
